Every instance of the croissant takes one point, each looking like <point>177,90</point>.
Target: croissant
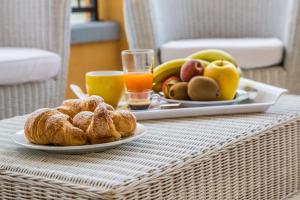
<point>124,121</point>
<point>49,126</point>
<point>101,128</point>
<point>104,125</point>
<point>73,106</point>
<point>83,119</point>
<point>93,122</point>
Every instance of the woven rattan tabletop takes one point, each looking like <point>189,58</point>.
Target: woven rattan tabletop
<point>169,144</point>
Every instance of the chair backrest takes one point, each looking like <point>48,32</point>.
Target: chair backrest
<point>34,23</point>
<point>183,19</point>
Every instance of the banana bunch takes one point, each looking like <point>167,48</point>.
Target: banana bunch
<point>172,67</point>
<point>211,55</point>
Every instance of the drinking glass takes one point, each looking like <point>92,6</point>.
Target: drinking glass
<point>138,69</point>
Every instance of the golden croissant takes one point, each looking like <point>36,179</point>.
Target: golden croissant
<point>49,126</point>
<point>105,125</point>
<point>93,122</point>
<point>124,121</point>
<point>73,106</point>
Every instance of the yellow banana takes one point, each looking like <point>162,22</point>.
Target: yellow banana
<point>211,55</point>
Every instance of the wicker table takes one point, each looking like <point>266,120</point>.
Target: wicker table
<point>244,156</point>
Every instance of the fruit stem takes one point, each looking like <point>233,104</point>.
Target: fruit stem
<point>222,63</point>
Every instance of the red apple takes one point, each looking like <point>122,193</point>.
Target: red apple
<point>190,69</point>
<point>167,84</point>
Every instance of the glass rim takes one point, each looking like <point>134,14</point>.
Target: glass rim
<point>137,51</point>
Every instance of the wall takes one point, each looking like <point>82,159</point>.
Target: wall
<point>99,55</point>
<point>113,10</point>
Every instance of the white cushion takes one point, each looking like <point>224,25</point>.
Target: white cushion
<point>20,65</point>
<point>249,52</point>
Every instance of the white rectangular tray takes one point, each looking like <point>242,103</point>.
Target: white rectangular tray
<point>262,96</point>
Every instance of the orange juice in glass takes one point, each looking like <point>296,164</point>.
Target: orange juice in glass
<point>138,67</point>
<point>138,81</point>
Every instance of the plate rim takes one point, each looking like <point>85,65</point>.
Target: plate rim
<point>140,128</point>
<point>245,93</point>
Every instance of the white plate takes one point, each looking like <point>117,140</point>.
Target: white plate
<point>21,140</point>
<point>241,95</point>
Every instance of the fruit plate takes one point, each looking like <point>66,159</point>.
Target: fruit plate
<point>241,95</point>
<point>20,139</point>
<point>261,97</point>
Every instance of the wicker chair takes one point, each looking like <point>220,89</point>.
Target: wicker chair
<point>151,23</point>
<point>40,24</point>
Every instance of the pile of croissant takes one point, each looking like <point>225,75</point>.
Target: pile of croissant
<point>79,122</point>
